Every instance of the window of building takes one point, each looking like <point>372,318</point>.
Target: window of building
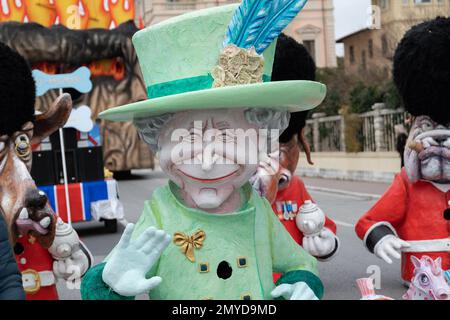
<point>370,48</point>
<point>422,1</point>
<point>352,54</point>
<point>384,45</point>
<point>363,60</point>
<point>384,4</point>
<point>310,46</point>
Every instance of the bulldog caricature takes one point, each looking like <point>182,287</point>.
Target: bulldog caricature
<point>207,234</point>
<point>30,220</point>
<point>413,216</point>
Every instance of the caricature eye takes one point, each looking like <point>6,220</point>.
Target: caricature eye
<point>2,146</point>
<point>22,146</point>
<point>424,279</point>
<point>427,126</point>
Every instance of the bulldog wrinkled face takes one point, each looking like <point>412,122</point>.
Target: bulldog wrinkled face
<point>427,153</point>
<point>209,154</point>
<point>24,206</point>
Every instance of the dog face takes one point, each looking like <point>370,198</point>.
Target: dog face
<point>427,153</point>
<point>25,207</point>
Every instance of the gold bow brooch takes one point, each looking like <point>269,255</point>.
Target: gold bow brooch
<point>188,243</point>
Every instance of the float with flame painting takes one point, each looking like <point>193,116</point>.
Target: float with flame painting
<point>68,165</point>
<point>44,32</point>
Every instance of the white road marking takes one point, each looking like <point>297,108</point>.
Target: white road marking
<point>344,224</point>
<point>345,193</point>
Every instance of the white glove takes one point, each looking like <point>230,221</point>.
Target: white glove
<point>296,291</point>
<point>320,245</point>
<point>71,268</point>
<point>125,271</point>
<point>390,247</point>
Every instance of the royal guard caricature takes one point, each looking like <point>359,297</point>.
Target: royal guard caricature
<point>276,179</point>
<point>413,217</point>
<point>31,222</point>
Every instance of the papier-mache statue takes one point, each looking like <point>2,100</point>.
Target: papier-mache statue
<point>413,217</point>
<point>211,113</point>
<point>275,178</point>
<point>31,223</point>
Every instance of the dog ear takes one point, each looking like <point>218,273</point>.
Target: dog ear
<point>53,119</point>
<point>416,262</point>
<point>438,262</point>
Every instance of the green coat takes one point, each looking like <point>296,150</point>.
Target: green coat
<point>239,253</point>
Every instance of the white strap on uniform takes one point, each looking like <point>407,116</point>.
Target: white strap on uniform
<point>438,245</point>
<point>45,279</point>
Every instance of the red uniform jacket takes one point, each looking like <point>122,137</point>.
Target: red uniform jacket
<point>414,212</point>
<point>291,199</point>
<point>32,258</point>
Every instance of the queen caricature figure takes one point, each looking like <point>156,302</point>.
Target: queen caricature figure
<point>207,234</point>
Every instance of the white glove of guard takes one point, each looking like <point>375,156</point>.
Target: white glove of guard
<point>390,247</point>
<point>320,245</point>
<point>125,271</point>
<point>296,291</point>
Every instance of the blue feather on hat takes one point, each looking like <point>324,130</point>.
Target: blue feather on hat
<point>257,23</point>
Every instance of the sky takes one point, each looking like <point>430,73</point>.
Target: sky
<point>350,16</point>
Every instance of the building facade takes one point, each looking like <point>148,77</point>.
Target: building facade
<point>373,48</point>
<point>314,26</point>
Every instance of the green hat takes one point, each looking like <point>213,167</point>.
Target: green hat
<point>179,60</point>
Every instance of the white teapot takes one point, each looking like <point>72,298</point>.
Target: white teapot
<point>310,219</point>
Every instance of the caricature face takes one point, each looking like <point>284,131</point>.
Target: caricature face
<point>427,153</point>
<point>209,154</point>
<point>25,207</point>
<point>276,170</point>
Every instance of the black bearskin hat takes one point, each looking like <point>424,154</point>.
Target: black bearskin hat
<point>17,91</point>
<point>293,62</point>
<point>422,70</point>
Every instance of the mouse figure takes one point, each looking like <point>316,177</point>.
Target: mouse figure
<point>413,217</point>
<point>210,113</point>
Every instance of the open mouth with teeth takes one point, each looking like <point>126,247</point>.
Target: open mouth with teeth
<point>25,223</point>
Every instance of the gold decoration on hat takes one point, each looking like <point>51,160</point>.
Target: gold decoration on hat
<point>238,66</point>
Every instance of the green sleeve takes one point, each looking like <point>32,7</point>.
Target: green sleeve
<point>291,259</point>
<point>92,285</point>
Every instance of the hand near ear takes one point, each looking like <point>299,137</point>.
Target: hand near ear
<point>306,148</point>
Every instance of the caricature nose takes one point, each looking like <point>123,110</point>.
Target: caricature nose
<point>440,140</point>
<point>442,294</point>
<point>209,157</point>
<point>35,199</point>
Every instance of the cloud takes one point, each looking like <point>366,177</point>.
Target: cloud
<point>350,16</point>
